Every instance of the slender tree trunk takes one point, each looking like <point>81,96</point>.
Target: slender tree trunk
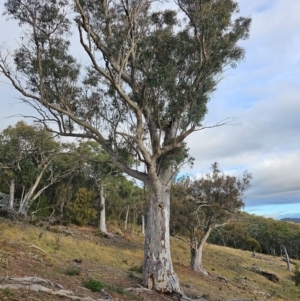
<point>272,250</point>
<point>27,199</point>
<point>143,225</point>
<point>158,272</point>
<point>133,223</point>
<point>126,218</point>
<point>102,222</point>
<point>29,196</point>
<point>11,194</point>
<point>197,251</point>
<point>287,258</point>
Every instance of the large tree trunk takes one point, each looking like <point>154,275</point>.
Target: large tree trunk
<point>197,251</point>
<point>11,194</point>
<point>158,272</point>
<point>102,222</point>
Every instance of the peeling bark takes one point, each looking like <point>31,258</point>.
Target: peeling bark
<point>158,272</point>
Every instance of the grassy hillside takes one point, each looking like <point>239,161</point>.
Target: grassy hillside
<point>51,253</point>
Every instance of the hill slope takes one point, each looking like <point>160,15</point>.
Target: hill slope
<point>67,256</point>
<point>290,219</point>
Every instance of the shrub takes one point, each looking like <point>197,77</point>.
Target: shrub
<point>71,271</point>
<point>81,211</point>
<point>93,285</point>
<point>297,275</point>
<point>253,244</point>
<point>7,292</point>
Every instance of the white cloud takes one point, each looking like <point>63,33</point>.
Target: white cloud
<point>263,93</point>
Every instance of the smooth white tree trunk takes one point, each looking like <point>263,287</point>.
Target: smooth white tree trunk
<point>102,222</point>
<point>11,194</point>
<point>30,196</point>
<point>158,272</point>
<point>143,225</point>
<point>197,252</point>
<point>133,222</point>
<point>126,218</point>
<point>287,258</point>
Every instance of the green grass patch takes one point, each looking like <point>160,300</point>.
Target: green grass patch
<point>7,292</point>
<point>296,276</point>
<point>93,285</point>
<point>72,271</point>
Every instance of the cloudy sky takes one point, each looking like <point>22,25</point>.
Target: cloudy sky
<point>262,93</point>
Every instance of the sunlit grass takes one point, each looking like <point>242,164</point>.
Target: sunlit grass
<point>68,247</point>
<point>125,255</point>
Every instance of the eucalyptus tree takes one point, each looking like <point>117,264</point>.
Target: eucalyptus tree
<point>151,74</point>
<point>26,152</point>
<point>125,200</point>
<point>100,170</point>
<point>31,161</point>
<point>206,204</point>
<point>10,158</point>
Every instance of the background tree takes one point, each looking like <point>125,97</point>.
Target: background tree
<point>81,211</point>
<point>209,202</point>
<point>151,75</point>
<point>269,234</point>
<point>17,144</point>
<point>101,172</point>
<point>32,159</point>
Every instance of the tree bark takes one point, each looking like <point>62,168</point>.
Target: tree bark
<point>102,222</point>
<point>133,222</point>
<point>143,225</point>
<point>126,218</point>
<point>158,272</point>
<point>197,251</point>
<point>29,196</point>
<point>287,258</point>
<point>11,194</point>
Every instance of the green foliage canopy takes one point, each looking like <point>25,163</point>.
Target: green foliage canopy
<point>151,75</point>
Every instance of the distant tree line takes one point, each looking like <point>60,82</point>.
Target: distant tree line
<point>43,177</point>
<point>266,235</point>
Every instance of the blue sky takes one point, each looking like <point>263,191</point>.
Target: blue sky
<point>262,93</point>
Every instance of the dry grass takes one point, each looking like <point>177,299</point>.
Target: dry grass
<point>230,264</point>
<point>110,261</point>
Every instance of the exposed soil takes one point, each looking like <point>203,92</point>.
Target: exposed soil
<point>23,259</point>
<point>116,262</point>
